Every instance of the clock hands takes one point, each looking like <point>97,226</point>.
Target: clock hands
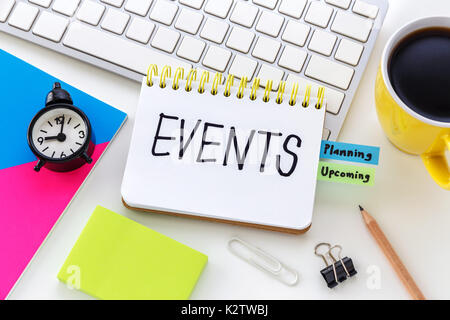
<point>61,137</point>
<point>51,138</point>
<point>61,119</point>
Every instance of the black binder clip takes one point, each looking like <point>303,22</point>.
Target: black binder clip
<point>339,270</point>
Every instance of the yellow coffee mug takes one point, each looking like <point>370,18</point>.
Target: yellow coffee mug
<point>406,129</point>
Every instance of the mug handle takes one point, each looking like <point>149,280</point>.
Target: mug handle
<point>436,163</point>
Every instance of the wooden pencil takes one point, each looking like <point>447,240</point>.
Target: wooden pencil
<point>390,254</point>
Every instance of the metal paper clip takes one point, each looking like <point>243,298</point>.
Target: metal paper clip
<point>263,261</point>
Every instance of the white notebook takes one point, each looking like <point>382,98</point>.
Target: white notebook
<point>224,154</point>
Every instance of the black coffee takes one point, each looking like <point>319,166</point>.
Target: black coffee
<point>419,70</point>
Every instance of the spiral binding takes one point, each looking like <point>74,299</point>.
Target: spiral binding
<point>179,73</point>
<point>152,71</point>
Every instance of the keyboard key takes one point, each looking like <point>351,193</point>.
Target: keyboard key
<point>217,58</point>
<point>266,49</point>
<point>90,12</point>
<point>189,21</point>
<point>352,26</point>
<point>334,98</point>
<point>270,23</point>
<point>5,9</point>
<point>164,12</point>
<point>344,4</point>
<point>42,3</point>
<point>349,52</point>
<point>240,39</point>
<point>23,16</point>
<point>165,39</point>
<point>116,3</point>
<point>139,7</point>
<point>322,42</point>
<point>115,21</point>
<point>122,52</point>
<point>292,8</point>
<point>66,7</point>
<point>365,9</point>
<point>244,14</point>
<point>296,33</point>
<point>243,67</point>
<point>191,49</point>
<point>219,8</point>
<point>270,73</point>
<point>196,4</point>
<point>292,58</point>
<point>329,72</point>
<point>50,26</point>
<point>269,4</point>
<point>140,30</point>
<point>319,14</point>
<point>214,30</point>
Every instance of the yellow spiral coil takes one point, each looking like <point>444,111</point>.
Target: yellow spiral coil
<point>203,80</point>
<point>280,92</point>
<point>305,102</point>
<point>294,91</point>
<point>192,76</point>
<point>165,73</point>
<point>228,85</point>
<point>320,97</point>
<point>255,87</point>
<point>216,81</point>
<point>152,70</point>
<point>267,90</point>
<point>242,86</point>
<point>179,74</point>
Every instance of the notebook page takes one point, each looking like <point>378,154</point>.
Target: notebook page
<point>272,184</point>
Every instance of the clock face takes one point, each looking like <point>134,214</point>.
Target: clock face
<point>59,133</point>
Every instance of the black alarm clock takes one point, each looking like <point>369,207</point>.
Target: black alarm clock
<point>60,134</point>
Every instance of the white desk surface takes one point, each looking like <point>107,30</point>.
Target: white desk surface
<point>411,209</point>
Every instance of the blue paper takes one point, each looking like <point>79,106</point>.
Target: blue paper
<point>23,89</point>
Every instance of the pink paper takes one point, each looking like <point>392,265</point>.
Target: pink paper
<point>31,203</point>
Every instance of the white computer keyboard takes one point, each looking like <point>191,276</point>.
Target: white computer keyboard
<point>313,42</point>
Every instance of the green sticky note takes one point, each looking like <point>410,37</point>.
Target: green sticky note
<point>343,173</point>
<point>117,258</point>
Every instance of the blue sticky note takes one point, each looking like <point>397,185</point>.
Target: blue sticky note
<point>349,152</point>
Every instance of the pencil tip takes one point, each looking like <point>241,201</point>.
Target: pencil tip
<point>361,208</point>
